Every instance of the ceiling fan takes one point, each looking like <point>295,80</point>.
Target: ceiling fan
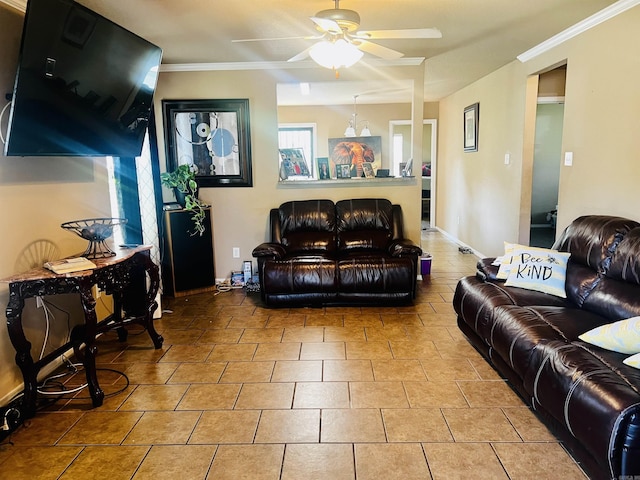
<point>342,44</point>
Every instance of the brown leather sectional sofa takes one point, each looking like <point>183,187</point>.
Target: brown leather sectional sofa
<point>326,253</point>
<point>584,393</point>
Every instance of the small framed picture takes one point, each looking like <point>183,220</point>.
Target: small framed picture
<point>343,170</point>
<point>324,172</point>
<point>294,162</point>
<point>471,118</point>
<point>367,169</point>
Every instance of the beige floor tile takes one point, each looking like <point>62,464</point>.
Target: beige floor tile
<point>228,335</point>
<point>226,426</point>
<point>362,320</point>
<point>255,462</point>
<point>210,322</point>
<point>434,395</point>
<point>291,320</point>
<point>289,426</point>
<point>414,349</point>
<point>428,333</point>
<point>140,354</point>
<point>168,462</point>
<point>416,425</point>
<point>490,394</point>
<point>45,428</point>
<point>103,428</point>
<point>439,370</point>
<point>328,320</point>
<point>248,321</point>
<point>233,352</point>
<point>344,334</point>
<point>378,395</point>
<point>297,371</point>
<point>401,319</point>
<point>114,463</point>
<point>260,396</point>
<point>186,353</point>
<point>348,371</point>
<point>522,461</point>
<point>383,334</point>
<point>303,334</point>
<point>182,336</point>
<point>390,370</point>
<point>480,425</point>
<point>318,462</point>
<point>163,428</point>
<point>47,463</point>
<point>277,351</point>
<point>209,397</point>
<point>455,349</point>
<point>150,373</point>
<point>485,370</point>
<point>321,395</point>
<point>527,425</point>
<point>154,397</point>
<point>322,351</point>
<point>369,350</point>
<point>197,373</point>
<point>352,426</point>
<point>464,461</point>
<point>247,372</point>
<point>262,335</point>
<point>391,462</point>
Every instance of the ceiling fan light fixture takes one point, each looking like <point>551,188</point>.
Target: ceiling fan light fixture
<point>335,54</point>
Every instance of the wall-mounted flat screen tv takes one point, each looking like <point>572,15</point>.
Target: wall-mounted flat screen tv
<point>84,85</point>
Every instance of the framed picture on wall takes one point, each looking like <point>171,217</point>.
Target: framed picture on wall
<point>471,117</point>
<point>324,172</point>
<point>354,151</point>
<point>212,137</point>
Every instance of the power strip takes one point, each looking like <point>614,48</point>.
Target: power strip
<point>10,420</point>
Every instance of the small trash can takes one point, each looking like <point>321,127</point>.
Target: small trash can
<point>425,265</point>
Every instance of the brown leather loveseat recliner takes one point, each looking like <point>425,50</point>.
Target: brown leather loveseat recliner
<point>586,394</point>
<point>350,252</point>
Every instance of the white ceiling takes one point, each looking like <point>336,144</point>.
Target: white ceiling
<point>478,36</point>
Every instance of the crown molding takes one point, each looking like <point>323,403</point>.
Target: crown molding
<point>205,67</point>
<point>597,18</point>
<point>20,5</point>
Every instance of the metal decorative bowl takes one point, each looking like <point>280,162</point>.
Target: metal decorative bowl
<point>97,231</point>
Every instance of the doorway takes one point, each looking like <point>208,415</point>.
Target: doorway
<point>400,145</point>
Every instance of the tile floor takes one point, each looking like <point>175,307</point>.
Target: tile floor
<point>243,392</point>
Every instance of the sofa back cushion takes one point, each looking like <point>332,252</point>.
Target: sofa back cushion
<point>364,225</point>
<point>592,238</point>
<point>308,226</point>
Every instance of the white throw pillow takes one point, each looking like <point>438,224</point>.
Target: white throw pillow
<point>622,336</point>
<point>539,269</point>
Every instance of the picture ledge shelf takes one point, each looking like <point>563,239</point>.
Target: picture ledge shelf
<point>361,182</point>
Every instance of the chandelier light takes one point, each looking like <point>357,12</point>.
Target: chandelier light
<point>335,54</point>
<point>353,123</point>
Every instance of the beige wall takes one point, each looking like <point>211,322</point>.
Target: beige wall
<point>240,215</point>
<point>479,197</point>
<point>38,194</point>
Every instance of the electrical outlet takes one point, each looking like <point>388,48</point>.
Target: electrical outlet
<point>96,292</point>
<point>236,252</point>
<point>39,302</point>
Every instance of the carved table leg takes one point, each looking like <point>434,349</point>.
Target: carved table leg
<point>23,351</point>
<point>89,361</point>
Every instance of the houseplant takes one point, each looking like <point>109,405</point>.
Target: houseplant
<point>183,182</point>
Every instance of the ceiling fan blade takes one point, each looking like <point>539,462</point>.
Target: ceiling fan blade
<point>377,50</point>
<point>301,56</point>
<point>406,33</point>
<point>317,37</point>
<point>327,25</point>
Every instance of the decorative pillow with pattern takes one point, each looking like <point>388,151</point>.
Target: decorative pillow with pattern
<point>539,269</point>
<point>622,336</point>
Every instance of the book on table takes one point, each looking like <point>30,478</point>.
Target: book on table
<point>70,265</point>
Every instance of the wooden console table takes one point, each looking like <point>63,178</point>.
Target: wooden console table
<point>124,276</point>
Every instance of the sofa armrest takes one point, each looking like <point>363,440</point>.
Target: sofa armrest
<point>269,249</point>
<point>404,248</point>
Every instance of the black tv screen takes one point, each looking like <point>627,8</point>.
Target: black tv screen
<point>84,85</point>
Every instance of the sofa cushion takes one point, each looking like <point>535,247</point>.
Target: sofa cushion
<point>308,226</point>
<point>300,275</point>
<point>368,273</point>
<point>622,336</point>
<point>537,269</point>
<point>364,224</point>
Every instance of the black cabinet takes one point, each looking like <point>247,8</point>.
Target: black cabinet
<point>187,262</point>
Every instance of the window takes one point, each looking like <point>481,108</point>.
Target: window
<point>299,135</point>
